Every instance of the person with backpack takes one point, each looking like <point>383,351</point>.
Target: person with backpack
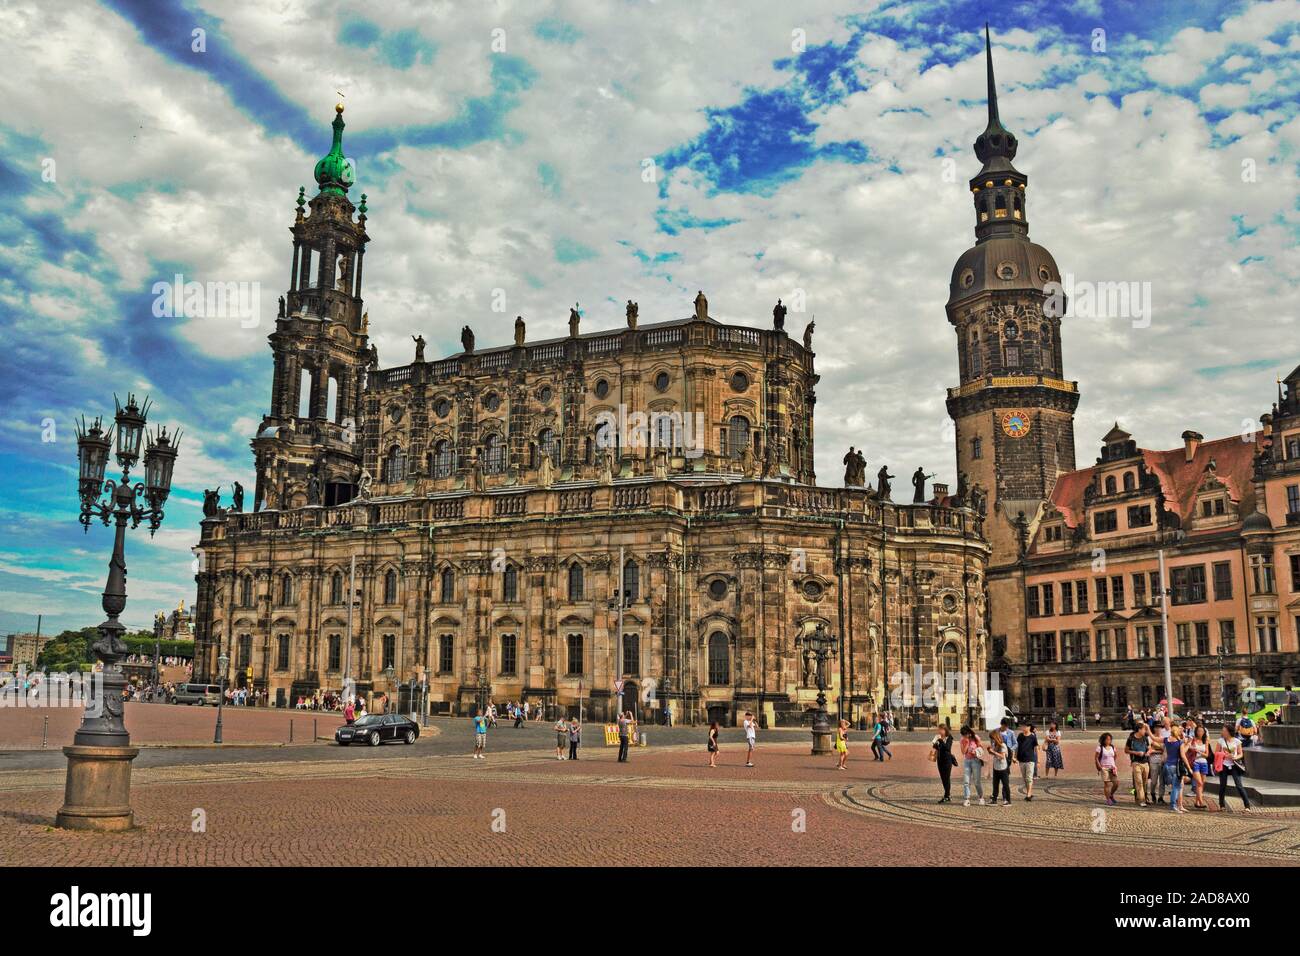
<point>1138,750</point>
<point>1246,729</point>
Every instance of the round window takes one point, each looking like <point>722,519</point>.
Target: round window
<point>442,408</point>
<point>491,401</point>
<point>545,395</point>
<point>661,381</point>
<point>1010,329</point>
<point>602,388</point>
<point>1044,273</point>
<point>717,589</point>
<point>813,590</point>
<point>1007,270</point>
<point>949,603</point>
<point>740,381</point>
<point>967,278</point>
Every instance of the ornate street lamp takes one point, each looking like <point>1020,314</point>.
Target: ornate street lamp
<point>98,791</point>
<point>223,661</point>
<point>823,645</point>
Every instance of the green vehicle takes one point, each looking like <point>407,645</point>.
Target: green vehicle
<point>1263,701</point>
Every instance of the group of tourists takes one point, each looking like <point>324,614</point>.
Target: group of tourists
<point>1166,754</point>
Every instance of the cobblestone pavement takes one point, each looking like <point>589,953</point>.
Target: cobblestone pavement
<point>664,807</point>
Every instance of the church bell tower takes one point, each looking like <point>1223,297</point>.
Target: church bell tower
<point>1013,409</point>
<point>308,449</point>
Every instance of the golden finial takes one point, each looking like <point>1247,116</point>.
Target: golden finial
<point>338,107</point>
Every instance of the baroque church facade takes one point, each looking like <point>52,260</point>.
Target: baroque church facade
<point>623,515</point>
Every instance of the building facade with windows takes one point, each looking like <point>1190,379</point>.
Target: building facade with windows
<point>1226,514</point>
<point>484,498</point>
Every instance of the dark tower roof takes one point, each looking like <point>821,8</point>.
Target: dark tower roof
<point>996,146</point>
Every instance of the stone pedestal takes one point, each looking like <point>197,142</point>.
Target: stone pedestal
<point>97,795</point>
<point>822,740</point>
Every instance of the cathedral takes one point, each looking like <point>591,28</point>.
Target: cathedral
<point>626,516</point>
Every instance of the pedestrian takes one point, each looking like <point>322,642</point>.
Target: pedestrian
<point>1175,760</point>
<point>1104,760</point>
<point>1246,729</point>
<point>713,743</point>
<point>941,756</point>
<point>875,737</point>
<point>1138,749</point>
<point>1027,757</point>
<point>575,738</point>
<point>1156,763</point>
<point>883,740</point>
<point>751,737</point>
<point>1199,756</point>
<point>519,717</point>
<point>1001,756</point>
<point>1055,761</point>
<point>480,735</point>
<point>624,721</point>
<point>349,714</point>
<point>1227,760</point>
<point>842,744</point>
<point>1009,738</point>
<point>972,765</point>
<point>561,738</point>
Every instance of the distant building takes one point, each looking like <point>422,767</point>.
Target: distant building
<point>24,648</point>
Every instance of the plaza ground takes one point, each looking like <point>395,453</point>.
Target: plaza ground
<point>319,804</point>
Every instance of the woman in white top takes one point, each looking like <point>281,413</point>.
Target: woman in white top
<point>1227,750</point>
<point>1198,753</point>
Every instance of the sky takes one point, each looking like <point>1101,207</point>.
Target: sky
<point>526,156</point>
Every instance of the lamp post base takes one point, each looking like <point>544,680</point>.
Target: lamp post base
<point>97,795</point>
<point>821,734</point>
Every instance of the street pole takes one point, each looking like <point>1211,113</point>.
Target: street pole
<point>158,620</point>
<point>1164,627</point>
<point>618,662</point>
<point>352,596</point>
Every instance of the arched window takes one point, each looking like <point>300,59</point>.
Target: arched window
<point>335,652</point>
<point>286,589</point>
<point>304,394</point>
<point>1129,481</point>
<point>548,446</point>
<point>575,581</point>
<point>447,585</point>
<point>336,587</point>
<point>395,465</point>
<point>949,659</point>
<point>1110,484</point>
<point>509,655</point>
<point>719,659</point>
<point>494,455</point>
<point>631,581</point>
<point>444,458</point>
<point>976,360</point>
<point>737,436</point>
<point>604,440</point>
<point>632,654</point>
<point>666,430</point>
<point>246,591</point>
<point>390,586</point>
<point>332,399</point>
<point>510,583</point>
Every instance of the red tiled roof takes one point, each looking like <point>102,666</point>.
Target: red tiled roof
<point>1234,465</point>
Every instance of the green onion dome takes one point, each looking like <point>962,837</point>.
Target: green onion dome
<point>334,171</point>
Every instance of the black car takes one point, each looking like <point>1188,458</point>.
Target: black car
<point>376,729</point>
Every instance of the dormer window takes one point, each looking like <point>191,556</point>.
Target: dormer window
<point>1129,481</point>
<point>1111,486</point>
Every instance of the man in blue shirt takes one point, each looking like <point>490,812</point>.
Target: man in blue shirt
<point>480,735</point>
<point>1007,734</point>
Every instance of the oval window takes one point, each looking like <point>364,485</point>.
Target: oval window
<point>491,401</point>
<point>967,278</point>
<point>442,408</point>
<point>602,388</point>
<point>717,589</point>
<point>661,381</point>
<point>739,382</point>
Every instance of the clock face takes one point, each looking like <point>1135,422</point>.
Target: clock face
<point>1016,424</point>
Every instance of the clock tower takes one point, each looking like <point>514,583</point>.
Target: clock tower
<point>1013,409</point>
